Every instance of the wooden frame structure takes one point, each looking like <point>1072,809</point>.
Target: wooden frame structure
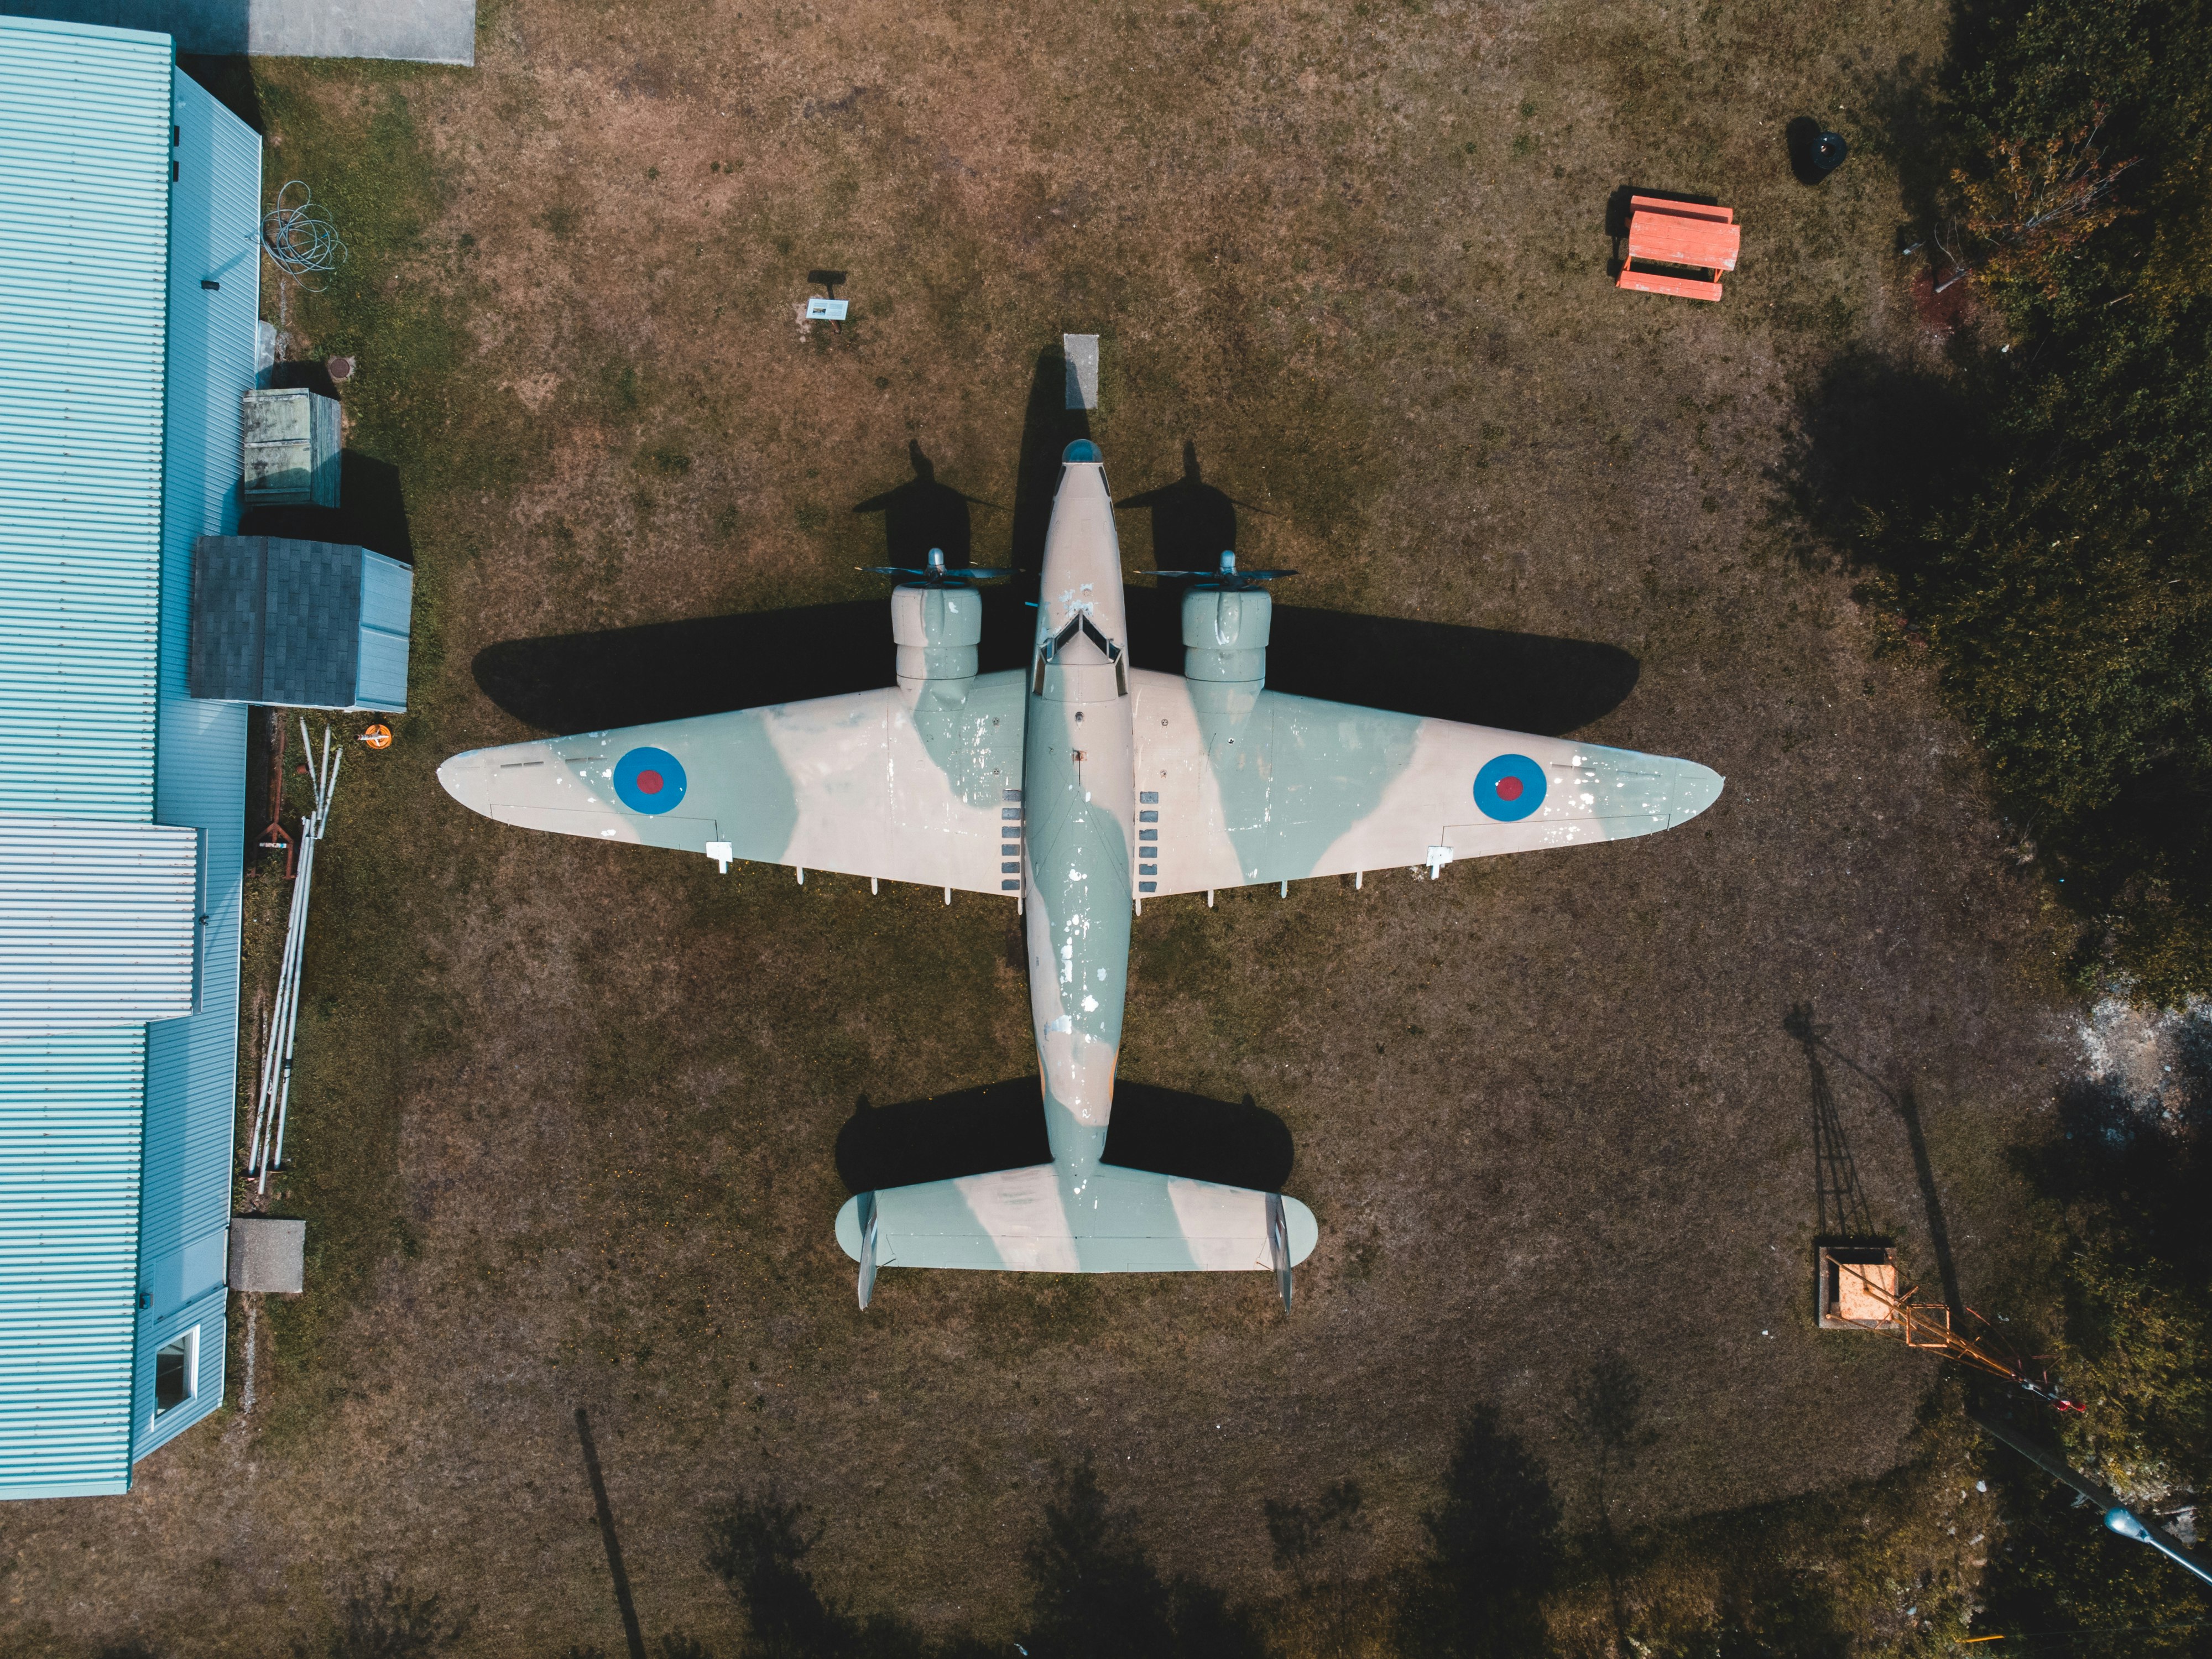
<point>1870,1285</point>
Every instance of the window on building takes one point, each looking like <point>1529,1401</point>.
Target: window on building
<point>176,1371</point>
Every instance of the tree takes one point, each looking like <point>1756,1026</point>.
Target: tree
<point>2037,200</point>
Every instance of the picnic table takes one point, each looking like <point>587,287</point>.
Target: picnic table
<point>1667,233</point>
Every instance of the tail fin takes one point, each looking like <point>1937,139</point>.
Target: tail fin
<point>1042,1220</point>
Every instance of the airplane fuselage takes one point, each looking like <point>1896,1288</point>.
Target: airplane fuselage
<point>1079,822</point>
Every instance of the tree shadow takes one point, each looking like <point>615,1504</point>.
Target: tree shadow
<point>922,513</point>
<point>2150,1163</point>
<point>1000,1126</point>
<point>1493,1550</point>
<point>1299,1532</point>
<point>757,1545</point>
<point>379,1619</point>
<point>1095,1593</point>
<point>1905,128</point>
<point>1879,446</point>
<point>1605,1408</point>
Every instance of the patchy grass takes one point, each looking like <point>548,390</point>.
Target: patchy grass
<point>564,1125</point>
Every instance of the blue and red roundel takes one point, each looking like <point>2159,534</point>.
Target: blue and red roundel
<point>1510,788</point>
<point>649,781</point>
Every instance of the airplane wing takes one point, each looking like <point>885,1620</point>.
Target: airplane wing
<point>869,784</point>
<point>1241,788</point>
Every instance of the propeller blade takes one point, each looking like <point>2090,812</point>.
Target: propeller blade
<point>949,573</point>
<point>1226,574</point>
<point>1232,580</point>
<point>868,1234</point>
<point>1278,1247</point>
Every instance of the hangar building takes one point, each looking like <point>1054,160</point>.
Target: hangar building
<point>130,207</point>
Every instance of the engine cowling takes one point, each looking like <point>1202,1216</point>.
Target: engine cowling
<point>1225,636</point>
<point>936,631</point>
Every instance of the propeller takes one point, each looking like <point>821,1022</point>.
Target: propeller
<point>938,574</point>
<point>1228,576</point>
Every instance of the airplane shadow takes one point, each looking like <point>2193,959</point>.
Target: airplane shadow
<point>671,670</point>
<point>922,513</point>
<point>1000,1126</point>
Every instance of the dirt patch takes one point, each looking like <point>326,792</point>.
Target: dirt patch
<point>1941,304</point>
<point>567,1121</point>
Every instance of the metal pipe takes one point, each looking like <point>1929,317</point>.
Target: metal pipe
<point>2122,1522</point>
<point>272,1107</point>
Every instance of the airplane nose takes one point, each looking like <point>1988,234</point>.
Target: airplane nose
<point>1082,451</point>
<point>467,778</point>
<point>1693,788</point>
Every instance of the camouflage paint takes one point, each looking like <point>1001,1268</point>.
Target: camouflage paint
<point>1082,784</point>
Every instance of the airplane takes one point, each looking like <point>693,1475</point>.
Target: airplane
<point>1079,786</point>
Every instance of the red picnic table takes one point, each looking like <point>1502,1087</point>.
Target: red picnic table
<point>1679,234</point>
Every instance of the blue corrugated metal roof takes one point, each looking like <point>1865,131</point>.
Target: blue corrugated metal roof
<point>191,1094</point>
<point>84,218</point>
<point>119,381</point>
<point>69,1112</point>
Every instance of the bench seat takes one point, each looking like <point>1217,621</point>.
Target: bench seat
<point>1650,282</point>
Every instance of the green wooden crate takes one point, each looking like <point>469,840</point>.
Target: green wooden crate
<point>291,446</point>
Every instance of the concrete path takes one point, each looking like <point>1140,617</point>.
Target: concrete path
<point>420,31</point>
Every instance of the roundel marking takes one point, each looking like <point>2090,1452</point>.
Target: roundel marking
<point>1509,788</point>
<point>650,780</point>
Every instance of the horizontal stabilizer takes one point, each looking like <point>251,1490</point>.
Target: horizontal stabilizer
<point>1107,1220</point>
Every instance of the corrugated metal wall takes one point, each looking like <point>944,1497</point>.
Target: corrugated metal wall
<point>388,618</point>
<point>84,134</point>
<point>191,1064</point>
<point>84,200</point>
<point>71,1109</point>
<point>97,923</point>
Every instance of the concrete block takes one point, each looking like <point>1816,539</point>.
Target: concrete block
<point>268,1255</point>
<point>1081,351</point>
<point>420,31</point>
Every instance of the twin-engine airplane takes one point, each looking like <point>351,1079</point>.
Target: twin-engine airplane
<point>1078,786</point>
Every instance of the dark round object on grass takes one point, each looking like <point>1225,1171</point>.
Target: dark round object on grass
<point>1828,152</point>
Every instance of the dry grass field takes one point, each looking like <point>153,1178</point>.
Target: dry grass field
<point>565,1130</point>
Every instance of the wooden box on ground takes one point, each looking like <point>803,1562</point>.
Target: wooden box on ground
<point>1858,1288</point>
<point>291,441</point>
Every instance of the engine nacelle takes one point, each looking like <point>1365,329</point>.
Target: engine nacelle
<point>1225,636</point>
<point>936,630</point>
